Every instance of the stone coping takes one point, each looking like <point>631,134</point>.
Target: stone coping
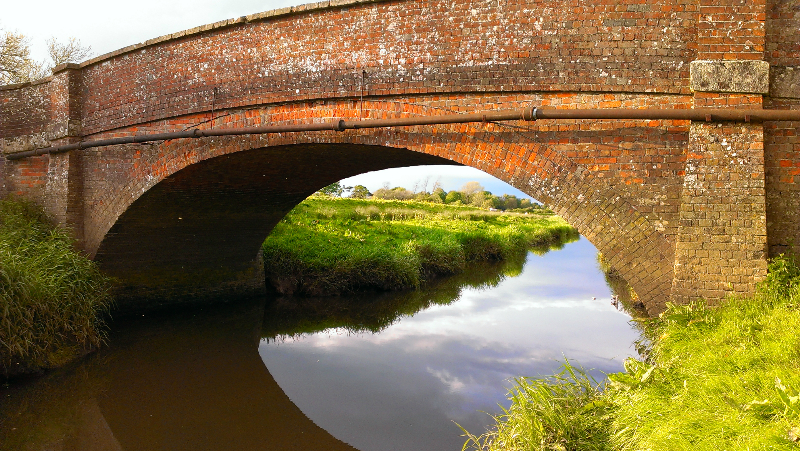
<point>258,17</point>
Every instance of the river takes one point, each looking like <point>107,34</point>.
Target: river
<point>379,371</point>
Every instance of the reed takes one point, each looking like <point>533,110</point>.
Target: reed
<point>51,298</point>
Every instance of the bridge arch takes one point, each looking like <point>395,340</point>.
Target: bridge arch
<point>695,203</point>
<point>192,213</point>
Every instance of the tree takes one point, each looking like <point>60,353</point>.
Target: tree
<point>440,193</point>
<point>453,197</point>
<point>70,52</point>
<point>17,66</point>
<point>360,192</point>
<point>396,193</point>
<point>335,189</point>
<point>469,190</point>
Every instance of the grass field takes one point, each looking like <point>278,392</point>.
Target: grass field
<point>329,246</point>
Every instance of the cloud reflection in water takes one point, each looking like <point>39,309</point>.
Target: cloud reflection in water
<point>403,387</point>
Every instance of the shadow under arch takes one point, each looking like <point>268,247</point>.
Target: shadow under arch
<point>196,234</point>
<point>187,221</point>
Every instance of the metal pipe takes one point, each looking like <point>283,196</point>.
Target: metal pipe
<point>526,114</point>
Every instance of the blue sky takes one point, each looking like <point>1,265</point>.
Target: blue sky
<point>107,26</point>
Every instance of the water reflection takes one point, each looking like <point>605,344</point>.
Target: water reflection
<point>404,387</point>
<point>192,380</point>
<point>183,381</point>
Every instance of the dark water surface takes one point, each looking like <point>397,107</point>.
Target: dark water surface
<point>385,371</point>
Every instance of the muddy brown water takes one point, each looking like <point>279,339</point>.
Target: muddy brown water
<point>373,372</point>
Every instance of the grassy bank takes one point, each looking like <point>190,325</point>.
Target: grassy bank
<point>712,378</point>
<point>329,246</point>
<point>51,297</point>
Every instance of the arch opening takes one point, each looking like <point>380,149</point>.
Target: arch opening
<point>196,234</point>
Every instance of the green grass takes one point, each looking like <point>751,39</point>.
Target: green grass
<point>713,378</point>
<point>331,246</point>
<point>51,297</point>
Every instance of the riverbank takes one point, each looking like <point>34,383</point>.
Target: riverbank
<point>723,377</point>
<point>329,246</point>
<point>52,299</point>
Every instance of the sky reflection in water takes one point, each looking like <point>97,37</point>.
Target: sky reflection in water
<point>404,387</point>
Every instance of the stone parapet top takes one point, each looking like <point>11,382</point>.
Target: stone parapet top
<point>258,17</point>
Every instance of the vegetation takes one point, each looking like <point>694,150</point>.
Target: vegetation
<point>723,377</point>
<point>51,297</point>
<point>328,246</point>
<point>17,66</point>
<point>472,193</point>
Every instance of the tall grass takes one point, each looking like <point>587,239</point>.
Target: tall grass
<point>713,378</point>
<point>51,297</point>
<point>333,246</point>
<point>561,412</point>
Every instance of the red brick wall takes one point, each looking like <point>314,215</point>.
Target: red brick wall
<point>406,47</point>
<point>781,140</point>
<point>24,110</point>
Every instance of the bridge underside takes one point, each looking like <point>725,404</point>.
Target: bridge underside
<point>196,235</point>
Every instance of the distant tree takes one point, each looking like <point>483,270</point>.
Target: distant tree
<point>440,193</point>
<point>360,192</point>
<point>525,203</point>
<point>508,202</point>
<point>434,198</point>
<point>17,66</point>
<point>334,190</point>
<point>396,193</point>
<point>469,190</point>
<point>453,197</point>
<point>70,52</point>
<point>484,199</point>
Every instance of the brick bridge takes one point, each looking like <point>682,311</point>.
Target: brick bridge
<point>683,209</point>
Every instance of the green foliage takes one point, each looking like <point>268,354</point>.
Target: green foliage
<point>334,246</point>
<point>51,297</point>
<point>360,192</point>
<point>334,190</point>
<point>714,378</point>
<point>453,197</point>
<point>563,412</point>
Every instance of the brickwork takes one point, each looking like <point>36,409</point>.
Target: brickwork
<point>674,205</point>
<point>781,139</point>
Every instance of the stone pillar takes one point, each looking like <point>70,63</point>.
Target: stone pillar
<point>721,246</point>
<point>64,186</point>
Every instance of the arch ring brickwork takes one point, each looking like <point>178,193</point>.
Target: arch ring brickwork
<point>179,181</point>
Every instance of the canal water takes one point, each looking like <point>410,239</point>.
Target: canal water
<point>377,371</point>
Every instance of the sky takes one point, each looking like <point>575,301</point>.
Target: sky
<point>108,25</point>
